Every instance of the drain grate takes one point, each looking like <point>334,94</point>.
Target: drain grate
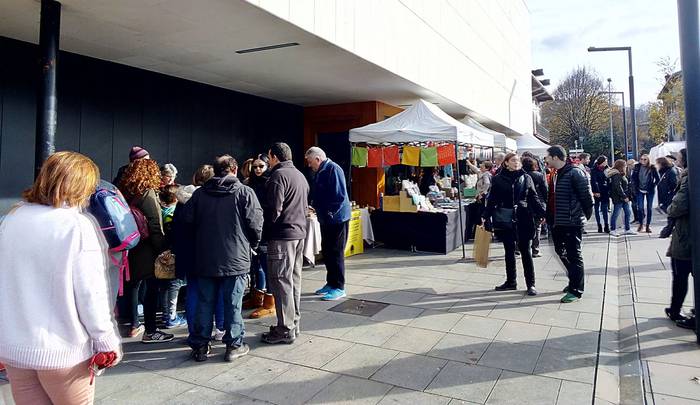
<point>359,307</point>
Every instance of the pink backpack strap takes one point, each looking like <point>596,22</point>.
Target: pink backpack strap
<point>123,270</point>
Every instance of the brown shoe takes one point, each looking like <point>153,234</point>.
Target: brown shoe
<point>267,308</point>
<point>648,229</point>
<point>255,301</point>
<point>640,228</point>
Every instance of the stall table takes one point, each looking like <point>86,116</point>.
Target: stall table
<point>436,232</point>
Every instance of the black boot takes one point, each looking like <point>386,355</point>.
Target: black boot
<point>675,317</point>
<point>607,229</point>
<point>687,323</point>
<point>600,228</point>
<point>507,286</point>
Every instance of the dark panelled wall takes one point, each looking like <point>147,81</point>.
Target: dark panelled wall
<point>105,108</point>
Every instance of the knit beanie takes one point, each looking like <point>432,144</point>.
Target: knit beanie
<point>137,153</point>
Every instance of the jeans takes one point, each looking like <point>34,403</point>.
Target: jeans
<point>536,239</point>
<point>625,206</point>
<point>333,240</point>
<point>601,208</point>
<point>170,289</point>
<point>640,206</point>
<point>284,261</point>
<point>508,238</point>
<point>681,270</point>
<point>192,303</point>
<point>258,268</point>
<point>233,288</point>
<point>567,244</point>
<point>150,303</point>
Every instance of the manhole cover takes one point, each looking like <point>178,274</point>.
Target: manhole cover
<point>359,307</point>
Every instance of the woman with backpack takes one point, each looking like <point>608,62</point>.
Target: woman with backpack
<point>644,180</point>
<point>259,298</point>
<point>514,209</point>
<point>621,195</point>
<point>55,304</point>
<point>140,186</point>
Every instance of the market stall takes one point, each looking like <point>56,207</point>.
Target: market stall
<point>530,143</point>
<point>421,136</point>
<point>500,140</point>
<point>665,148</point>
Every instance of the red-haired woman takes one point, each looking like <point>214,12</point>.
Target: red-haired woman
<point>55,302</point>
<point>140,186</point>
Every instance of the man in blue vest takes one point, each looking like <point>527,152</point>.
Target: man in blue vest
<point>329,197</point>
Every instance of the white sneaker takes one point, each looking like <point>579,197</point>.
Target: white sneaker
<point>219,334</point>
<point>615,233</point>
<point>631,232</point>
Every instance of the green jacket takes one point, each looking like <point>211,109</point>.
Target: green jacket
<point>619,186</point>
<point>143,256</point>
<point>679,210</point>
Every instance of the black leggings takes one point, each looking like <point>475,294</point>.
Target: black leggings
<point>525,247</point>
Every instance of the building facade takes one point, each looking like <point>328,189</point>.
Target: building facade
<point>188,80</point>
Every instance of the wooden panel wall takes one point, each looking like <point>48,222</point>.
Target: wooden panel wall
<point>367,183</point>
<point>105,108</point>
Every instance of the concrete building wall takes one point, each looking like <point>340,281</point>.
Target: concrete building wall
<point>475,53</point>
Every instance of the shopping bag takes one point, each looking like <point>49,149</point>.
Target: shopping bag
<point>359,156</point>
<point>446,155</point>
<point>391,156</point>
<point>411,156</point>
<point>482,244</point>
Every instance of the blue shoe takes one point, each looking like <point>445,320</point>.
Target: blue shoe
<point>325,290</point>
<point>176,322</point>
<point>334,294</point>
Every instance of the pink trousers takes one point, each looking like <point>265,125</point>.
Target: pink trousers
<point>66,386</point>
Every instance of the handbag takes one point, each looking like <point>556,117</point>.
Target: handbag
<point>503,218</point>
<point>165,266</point>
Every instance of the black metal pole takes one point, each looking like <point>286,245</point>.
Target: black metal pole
<point>689,34</point>
<point>624,129</point>
<point>633,118</point>
<point>459,198</point>
<point>46,100</point>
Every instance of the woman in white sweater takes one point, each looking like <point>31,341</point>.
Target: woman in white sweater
<point>54,300</point>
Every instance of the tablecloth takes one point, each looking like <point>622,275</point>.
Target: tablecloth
<point>367,230</point>
<point>312,243</point>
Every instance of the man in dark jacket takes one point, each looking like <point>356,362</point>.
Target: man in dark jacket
<point>285,231</point>
<point>601,193</point>
<point>330,200</point>
<point>227,222</point>
<point>572,207</point>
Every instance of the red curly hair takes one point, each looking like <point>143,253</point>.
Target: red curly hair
<point>141,175</point>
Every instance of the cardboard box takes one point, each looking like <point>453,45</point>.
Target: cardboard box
<point>391,203</point>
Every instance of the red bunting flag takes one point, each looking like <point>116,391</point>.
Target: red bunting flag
<point>391,156</point>
<point>446,155</point>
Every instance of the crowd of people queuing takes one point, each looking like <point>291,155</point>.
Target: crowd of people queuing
<point>216,234</point>
<point>230,232</point>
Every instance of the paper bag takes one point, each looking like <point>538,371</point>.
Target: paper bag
<point>482,244</point>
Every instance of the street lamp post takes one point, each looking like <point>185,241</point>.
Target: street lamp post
<point>612,143</point>
<point>624,118</point>
<point>631,84</point>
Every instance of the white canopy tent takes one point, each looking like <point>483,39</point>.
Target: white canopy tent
<point>530,143</point>
<point>500,140</point>
<point>422,122</point>
<point>665,148</point>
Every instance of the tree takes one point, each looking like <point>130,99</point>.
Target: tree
<point>598,143</point>
<point>668,114</point>
<point>578,109</point>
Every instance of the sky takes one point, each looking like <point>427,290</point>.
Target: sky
<point>562,31</point>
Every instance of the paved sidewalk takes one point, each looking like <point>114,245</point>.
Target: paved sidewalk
<point>445,337</point>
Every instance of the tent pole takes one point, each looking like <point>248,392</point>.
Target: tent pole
<point>459,198</point>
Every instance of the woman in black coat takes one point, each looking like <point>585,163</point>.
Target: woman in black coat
<point>515,210</point>
<point>667,183</point>
<point>601,192</point>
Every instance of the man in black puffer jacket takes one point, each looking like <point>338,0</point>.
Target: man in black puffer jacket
<point>573,206</point>
<point>227,222</point>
